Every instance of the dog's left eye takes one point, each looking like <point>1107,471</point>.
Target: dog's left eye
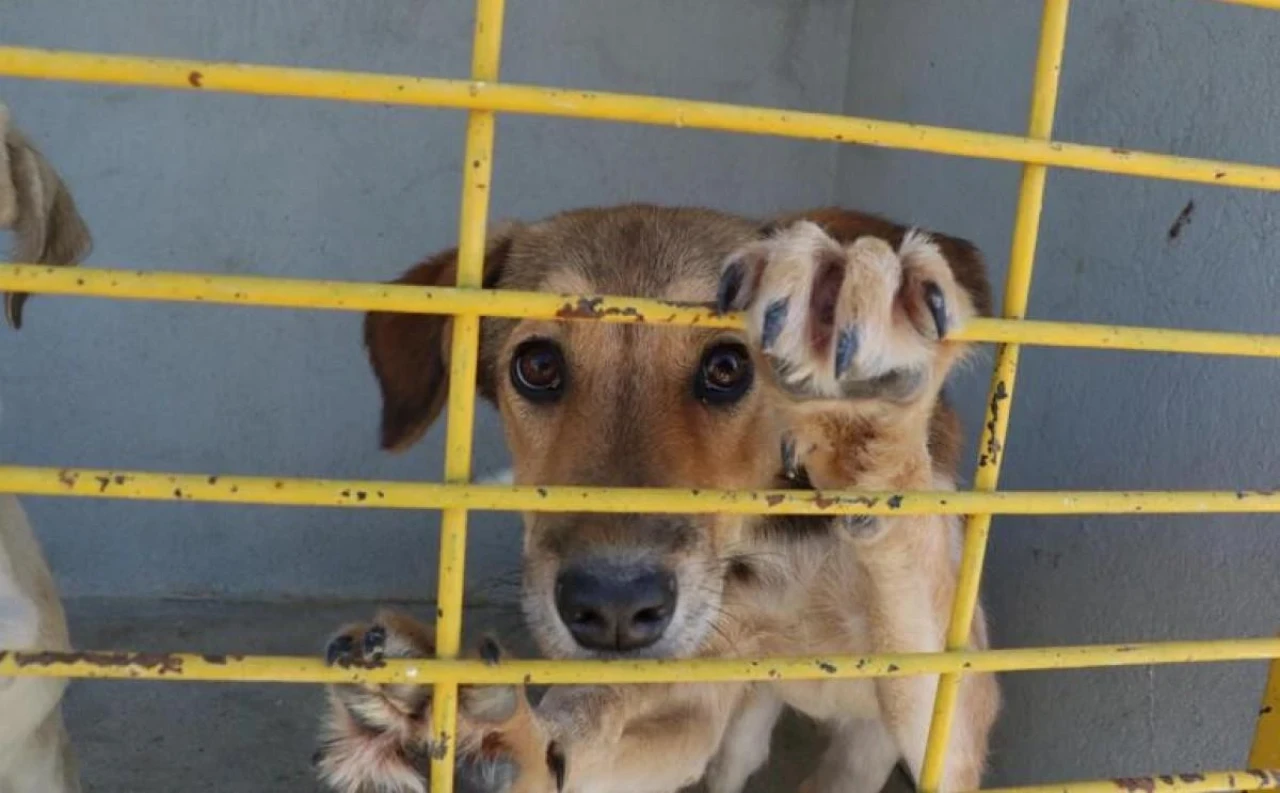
<point>724,375</point>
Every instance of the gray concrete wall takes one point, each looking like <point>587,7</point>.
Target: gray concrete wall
<point>229,184</point>
<point>308,189</point>
<point>1190,78</point>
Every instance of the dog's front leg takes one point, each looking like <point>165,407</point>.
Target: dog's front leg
<point>853,331</point>
<point>638,738</point>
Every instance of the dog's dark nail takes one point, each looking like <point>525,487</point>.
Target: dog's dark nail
<point>789,469</point>
<point>375,641</point>
<point>490,652</point>
<point>775,316</point>
<point>937,307</point>
<point>730,286</point>
<point>339,649</point>
<point>556,764</point>
<point>846,350</point>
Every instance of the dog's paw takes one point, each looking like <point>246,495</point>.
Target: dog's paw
<point>505,745</point>
<point>379,738</point>
<point>835,321</point>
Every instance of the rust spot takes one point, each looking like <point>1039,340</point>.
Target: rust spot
<point>67,477</point>
<point>1120,151</point>
<point>1167,779</point>
<point>119,479</point>
<point>213,480</point>
<point>360,663</point>
<point>196,79</point>
<point>361,495</point>
<point>590,308</point>
<point>823,502</point>
<point>991,456</point>
<point>542,491</point>
<point>177,492</point>
<point>894,502</point>
<point>215,658</point>
<point>1191,777</point>
<point>439,748</point>
<point>1220,175</point>
<point>1265,710</point>
<point>892,668</point>
<point>1137,783</point>
<point>775,499</point>
<point>828,667</point>
<point>103,481</point>
<point>160,662</point>
<point>774,674</point>
<point>1181,221</point>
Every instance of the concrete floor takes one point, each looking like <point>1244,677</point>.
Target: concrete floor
<point>140,737</point>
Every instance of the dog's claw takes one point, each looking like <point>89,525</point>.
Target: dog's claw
<point>375,642</point>
<point>775,316</point>
<point>937,307</point>
<point>340,649</point>
<point>556,764</point>
<point>730,286</point>
<point>490,652</point>
<point>846,350</point>
<point>789,468</point>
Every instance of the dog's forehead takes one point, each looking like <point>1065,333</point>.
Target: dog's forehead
<point>668,253</point>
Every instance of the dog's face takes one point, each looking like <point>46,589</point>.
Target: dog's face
<point>610,405</point>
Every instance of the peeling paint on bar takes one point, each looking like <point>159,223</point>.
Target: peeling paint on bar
<point>282,669</point>
<point>221,488</point>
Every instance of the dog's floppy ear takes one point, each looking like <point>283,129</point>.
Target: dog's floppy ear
<point>410,352</point>
<point>37,207</point>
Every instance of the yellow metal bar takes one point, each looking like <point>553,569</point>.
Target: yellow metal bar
<point>571,103</point>
<point>354,296</point>
<point>1044,98</point>
<point>295,492</point>
<point>280,669</point>
<point>1273,5</point>
<point>1199,782</point>
<point>1265,752</point>
<point>477,173</point>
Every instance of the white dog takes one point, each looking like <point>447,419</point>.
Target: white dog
<point>35,753</point>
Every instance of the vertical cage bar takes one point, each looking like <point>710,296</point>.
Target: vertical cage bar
<point>1026,229</point>
<point>1266,739</point>
<point>477,170</point>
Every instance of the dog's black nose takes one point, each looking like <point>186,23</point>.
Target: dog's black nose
<point>615,609</point>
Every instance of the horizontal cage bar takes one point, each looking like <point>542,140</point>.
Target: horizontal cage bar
<point>32,63</point>
<point>358,296</point>
<point>110,483</point>
<point>1196,782</point>
<point>281,669</point>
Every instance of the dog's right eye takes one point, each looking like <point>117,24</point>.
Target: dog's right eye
<point>537,370</point>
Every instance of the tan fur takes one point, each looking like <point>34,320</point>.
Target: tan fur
<point>38,208</point>
<point>35,753</point>
<point>822,412</point>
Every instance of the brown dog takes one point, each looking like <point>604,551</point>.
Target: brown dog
<point>836,384</point>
